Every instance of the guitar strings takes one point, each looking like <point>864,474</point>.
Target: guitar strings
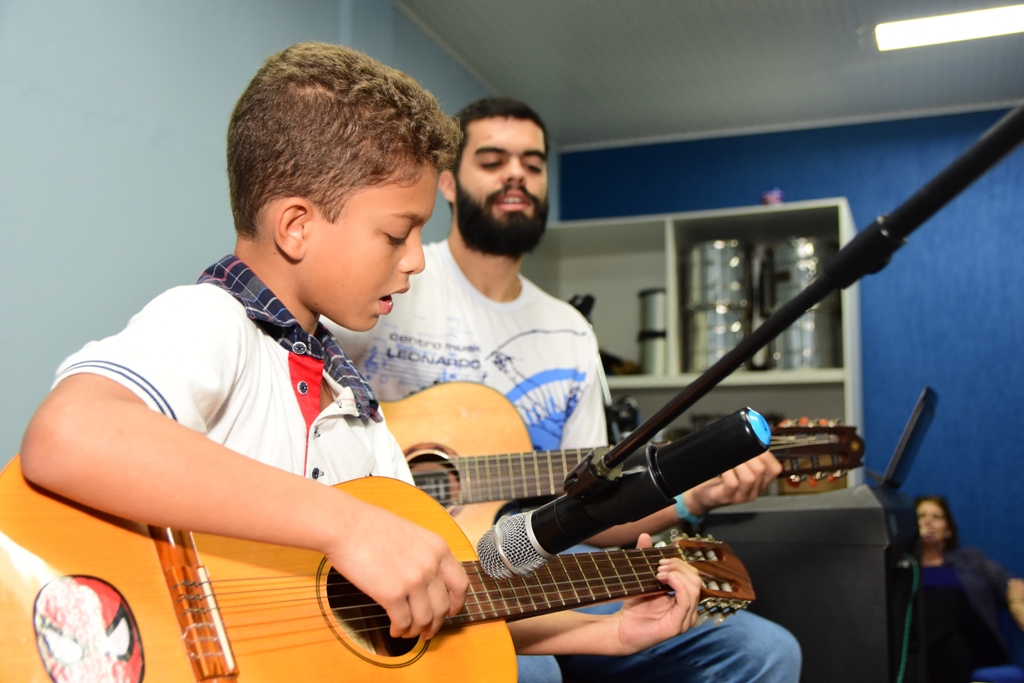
<point>478,608</point>
<point>530,470</point>
<point>381,623</point>
<point>601,560</point>
<point>481,596</point>
<point>573,577</point>
<point>378,621</point>
<point>777,442</point>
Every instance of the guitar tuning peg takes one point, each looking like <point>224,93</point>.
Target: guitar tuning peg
<point>675,535</point>
<point>660,544</point>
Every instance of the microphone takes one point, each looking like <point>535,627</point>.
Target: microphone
<point>647,481</point>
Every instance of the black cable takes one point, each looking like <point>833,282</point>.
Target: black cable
<point>912,561</point>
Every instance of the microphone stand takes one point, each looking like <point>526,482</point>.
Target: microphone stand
<point>867,253</point>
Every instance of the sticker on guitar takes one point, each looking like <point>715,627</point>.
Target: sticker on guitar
<point>85,631</point>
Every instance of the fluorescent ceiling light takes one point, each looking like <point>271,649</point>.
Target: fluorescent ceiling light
<point>949,28</point>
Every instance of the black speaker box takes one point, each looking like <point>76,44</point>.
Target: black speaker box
<point>835,569</point>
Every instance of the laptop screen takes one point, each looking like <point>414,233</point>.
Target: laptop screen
<point>910,442</point>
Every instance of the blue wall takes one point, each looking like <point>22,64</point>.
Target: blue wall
<point>947,312</point>
<point>113,116</point>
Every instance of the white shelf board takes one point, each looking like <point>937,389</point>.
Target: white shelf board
<point>740,378</point>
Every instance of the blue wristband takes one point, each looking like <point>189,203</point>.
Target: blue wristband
<point>684,514</point>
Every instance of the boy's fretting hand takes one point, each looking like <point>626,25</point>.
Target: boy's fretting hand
<point>407,570</point>
<point>646,621</point>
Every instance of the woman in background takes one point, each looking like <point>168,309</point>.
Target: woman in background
<point>964,591</point>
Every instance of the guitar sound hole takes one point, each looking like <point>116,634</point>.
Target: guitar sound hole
<point>435,475</point>
<point>363,621</point>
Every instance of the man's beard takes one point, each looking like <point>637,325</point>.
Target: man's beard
<point>513,235</point>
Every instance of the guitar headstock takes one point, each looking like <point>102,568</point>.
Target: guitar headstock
<point>725,584</point>
<point>817,449</point>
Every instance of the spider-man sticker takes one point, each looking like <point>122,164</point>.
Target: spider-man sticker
<point>86,633</point>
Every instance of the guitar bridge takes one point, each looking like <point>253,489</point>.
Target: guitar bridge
<point>195,605</point>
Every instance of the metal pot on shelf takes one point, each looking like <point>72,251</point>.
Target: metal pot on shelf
<point>717,310</point>
<point>813,341</point>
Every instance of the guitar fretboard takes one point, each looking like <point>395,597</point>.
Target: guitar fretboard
<point>516,475</point>
<point>565,582</point>
<point>485,478</point>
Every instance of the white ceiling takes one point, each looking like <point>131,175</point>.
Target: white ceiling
<point>607,72</point>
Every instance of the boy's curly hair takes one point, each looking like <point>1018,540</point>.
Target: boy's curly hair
<point>320,121</point>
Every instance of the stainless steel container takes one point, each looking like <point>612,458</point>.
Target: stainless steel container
<point>713,332</point>
<point>653,326</point>
<point>718,274</point>
<point>813,341</point>
<point>717,310</point>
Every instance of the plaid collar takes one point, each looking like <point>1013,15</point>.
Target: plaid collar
<point>233,276</point>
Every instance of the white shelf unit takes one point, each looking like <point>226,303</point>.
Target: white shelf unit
<point>614,259</point>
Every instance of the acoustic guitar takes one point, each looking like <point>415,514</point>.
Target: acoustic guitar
<point>86,596</point>
<point>437,425</point>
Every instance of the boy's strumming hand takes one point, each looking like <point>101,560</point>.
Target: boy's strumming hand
<point>406,569</point>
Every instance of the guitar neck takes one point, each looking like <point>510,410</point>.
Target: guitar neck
<point>487,478</point>
<point>576,580</point>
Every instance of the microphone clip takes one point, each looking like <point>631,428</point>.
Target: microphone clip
<point>591,475</point>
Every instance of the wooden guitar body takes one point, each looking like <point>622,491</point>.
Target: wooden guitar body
<point>87,597</point>
<point>290,641</point>
<point>277,619</point>
<point>454,420</point>
<point>44,537</point>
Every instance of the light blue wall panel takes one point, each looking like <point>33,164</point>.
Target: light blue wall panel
<point>113,117</point>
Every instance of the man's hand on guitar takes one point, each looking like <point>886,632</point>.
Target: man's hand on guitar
<point>738,485</point>
<point>647,621</point>
<point>417,581</point>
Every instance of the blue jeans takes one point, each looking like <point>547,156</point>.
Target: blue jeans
<point>538,669</point>
<point>744,648</point>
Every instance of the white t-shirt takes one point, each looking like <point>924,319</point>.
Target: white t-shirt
<point>538,351</point>
<point>194,355</point>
